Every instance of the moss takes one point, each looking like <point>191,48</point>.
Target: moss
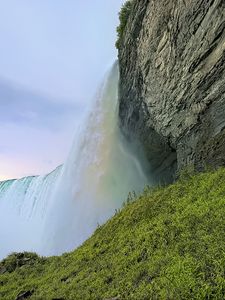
<point>123,18</point>
<point>167,244</point>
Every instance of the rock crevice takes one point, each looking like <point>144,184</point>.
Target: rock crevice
<point>172,82</point>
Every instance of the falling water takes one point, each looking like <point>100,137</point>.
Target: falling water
<point>56,213</point>
<point>23,205</point>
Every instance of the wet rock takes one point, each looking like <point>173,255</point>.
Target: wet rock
<point>25,295</point>
<point>2,270</point>
<point>172,83</point>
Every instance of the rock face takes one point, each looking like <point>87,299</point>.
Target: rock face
<point>172,82</point>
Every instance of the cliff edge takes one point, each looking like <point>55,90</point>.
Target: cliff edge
<point>172,82</point>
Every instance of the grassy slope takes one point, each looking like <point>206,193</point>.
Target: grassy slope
<point>168,244</point>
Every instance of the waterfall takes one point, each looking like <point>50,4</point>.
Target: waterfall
<point>55,213</point>
<point>23,205</point>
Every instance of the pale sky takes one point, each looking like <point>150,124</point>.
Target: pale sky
<point>53,56</point>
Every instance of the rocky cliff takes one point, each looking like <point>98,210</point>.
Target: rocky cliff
<point>172,82</point>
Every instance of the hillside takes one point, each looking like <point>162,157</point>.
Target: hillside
<point>168,243</point>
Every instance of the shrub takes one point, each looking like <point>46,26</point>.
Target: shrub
<point>123,17</point>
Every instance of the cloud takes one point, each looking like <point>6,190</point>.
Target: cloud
<point>20,106</point>
<point>61,49</point>
<point>36,132</point>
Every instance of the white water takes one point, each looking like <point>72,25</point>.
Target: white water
<point>55,213</point>
<point>23,205</point>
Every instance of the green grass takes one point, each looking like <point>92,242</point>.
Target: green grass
<point>167,244</point>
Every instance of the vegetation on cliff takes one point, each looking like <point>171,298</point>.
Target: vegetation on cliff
<point>167,244</point>
<point>123,17</point>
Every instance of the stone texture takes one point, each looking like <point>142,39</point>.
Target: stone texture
<point>172,82</point>
<point>25,295</point>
